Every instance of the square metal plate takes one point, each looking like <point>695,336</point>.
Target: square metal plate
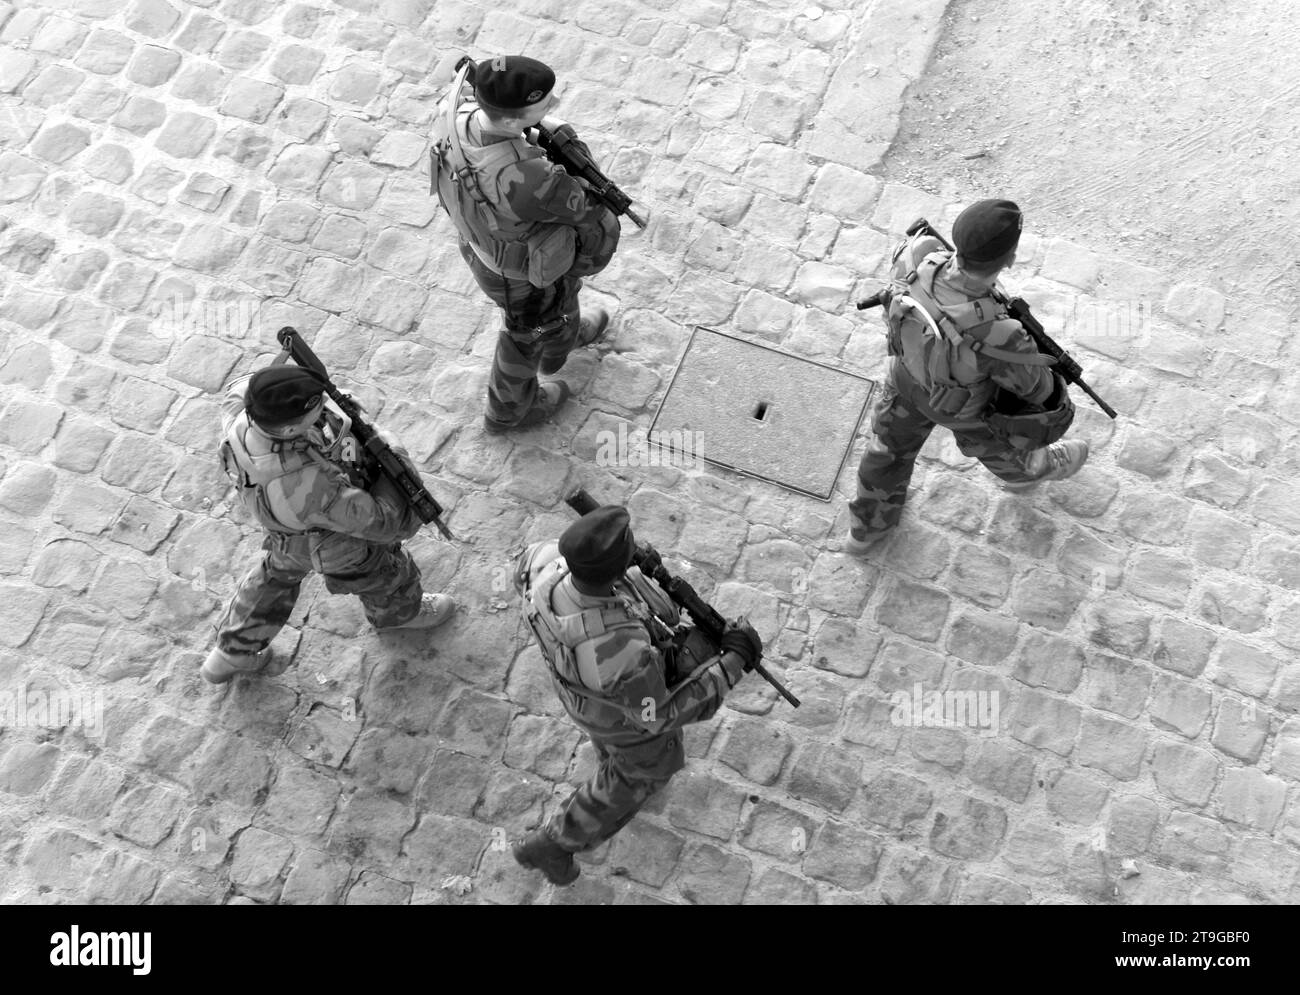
<point>762,412</point>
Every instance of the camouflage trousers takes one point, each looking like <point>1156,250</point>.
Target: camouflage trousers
<point>626,776</point>
<point>541,329</point>
<point>901,423</point>
<point>385,578</point>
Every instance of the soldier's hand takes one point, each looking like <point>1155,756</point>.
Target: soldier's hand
<point>741,639</point>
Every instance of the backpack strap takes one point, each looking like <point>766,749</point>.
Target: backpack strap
<point>966,318</point>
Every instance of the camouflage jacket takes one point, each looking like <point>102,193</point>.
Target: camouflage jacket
<point>975,370</point>
<point>612,683</point>
<point>524,187</point>
<point>305,484</point>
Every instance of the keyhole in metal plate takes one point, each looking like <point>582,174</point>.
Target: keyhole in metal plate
<point>760,412</point>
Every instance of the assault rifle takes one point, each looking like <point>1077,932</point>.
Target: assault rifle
<point>704,615</point>
<point>1017,308</point>
<point>558,142</point>
<point>380,452</point>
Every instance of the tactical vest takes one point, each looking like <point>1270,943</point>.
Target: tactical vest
<point>559,636</point>
<point>927,335</point>
<point>465,179</point>
<point>253,473</point>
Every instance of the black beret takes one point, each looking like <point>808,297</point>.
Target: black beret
<point>598,547</point>
<point>278,395</point>
<point>987,230</point>
<point>512,82</point>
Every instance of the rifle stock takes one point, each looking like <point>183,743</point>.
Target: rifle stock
<point>389,463</point>
<point>703,614</point>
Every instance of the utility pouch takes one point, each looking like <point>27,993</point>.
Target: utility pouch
<point>550,254</point>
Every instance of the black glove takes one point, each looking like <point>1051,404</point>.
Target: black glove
<point>741,639</point>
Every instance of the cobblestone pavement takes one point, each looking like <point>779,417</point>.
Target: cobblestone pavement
<point>1136,628</point>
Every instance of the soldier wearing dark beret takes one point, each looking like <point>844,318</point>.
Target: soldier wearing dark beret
<point>627,671</point>
<point>960,361</point>
<point>527,230</point>
<point>292,461</point>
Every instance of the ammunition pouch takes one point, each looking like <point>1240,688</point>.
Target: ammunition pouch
<point>1026,426</point>
<point>596,243</point>
<point>692,649</point>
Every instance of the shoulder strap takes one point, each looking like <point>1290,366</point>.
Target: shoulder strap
<point>966,318</point>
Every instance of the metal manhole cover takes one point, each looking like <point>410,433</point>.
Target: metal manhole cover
<point>762,412</point>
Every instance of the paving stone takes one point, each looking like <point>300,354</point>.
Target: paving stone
<point>28,426</point>
<point>1131,825</point>
<point>646,851</point>
<point>1086,558</point>
<point>980,637</point>
<point>868,722</point>
<point>1242,668</point>
<point>704,804</point>
<point>912,878</point>
<point>901,667</point>
<point>984,889</point>
<point>512,798</point>
<point>825,775</point>
<point>1075,797</point>
<point>844,856</point>
<point>776,887</point>
<point>1252,798</point>
<point>1161,577</point>
<point>372,888</point>
<point>146,814</point>
<point>1114,747</point>
<point>167,743</point>
<point>1181,647</point>
<point>26,767</point>
<point>840,584</point>
<point>711,876</point>
<point>1184,772</point>
<point>778,831</point>
<point>260,859</point>
<point>1050,662</point>
<point>981,574</point>
<point>1044,721</point>
<point>231,768</point>
<point>1003,768</point>
<point>61,858</point>
<point>756,750</point>
<point>454,784</point>
<point>1240,729</point>
<point>475,722</point>
<point>1286,750</point>
<point>972,831</point>
<point>316,878</point>
<point>1115,625</point>
<point>1193,843</point>
<point>844,647</point>
<point>542,745</point>
<point>1035,849</point>
<point>1265,869</point>
<point>373,826</point>
<point>1235,604</point>
<point>913,610</point>
<point>1118,685</point>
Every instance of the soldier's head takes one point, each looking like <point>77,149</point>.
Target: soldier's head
<point>285,401</point>
<point>514,91</point>
<point>986,235</point>
<point>598,548</point>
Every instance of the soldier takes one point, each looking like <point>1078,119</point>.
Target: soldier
<point>290,459</point>
<point>528,231</point>
<point>628,676</point>
<point>958,360</point>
